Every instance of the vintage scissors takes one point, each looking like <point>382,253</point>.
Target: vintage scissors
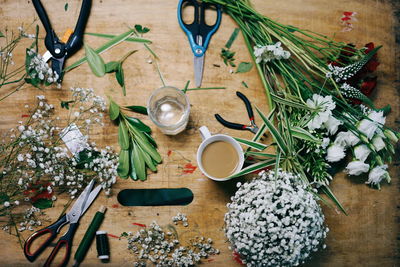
<point>198,32</point>
<point>252,127</point>
<point>72,217</point>
<point>58,51</point>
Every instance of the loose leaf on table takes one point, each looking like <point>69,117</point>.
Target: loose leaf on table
<point>114,110</point>
<point>138,162</point>
<point>244,67</point>
<point>245,84</point>
<point>43,203</point>
<point>112,66</point>
<point>114,41</point>
<point>119,75</point>
<point>252,144</point>
<point>65,104</point>
<point>130,39</point>
<point>141,29</point>
<point>138,124</point>
<point>123,164</point>
<point>232,38</point>
<point>66,7</point>
<point>2,35</point>
<point>138,109</point>
<point>95,61</point>
<point>123,136</point>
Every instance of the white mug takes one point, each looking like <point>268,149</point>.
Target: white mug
<point>208,139</point>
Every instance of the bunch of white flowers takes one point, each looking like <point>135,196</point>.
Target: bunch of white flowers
<point>322,118</point>
<point>274,220</point>
<point>38,68</point>
<point>271,52</point>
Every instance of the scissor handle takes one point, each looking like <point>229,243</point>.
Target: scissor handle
<point>65,240</point>
<point>199,26</point>
<point>247,104</point>
<point>53,230</point>
<point>231,125</point>
<point>75,41</point>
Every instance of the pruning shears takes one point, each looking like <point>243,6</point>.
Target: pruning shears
<point>199,32</point>
<point>252,127</point>
<point>59,50</point>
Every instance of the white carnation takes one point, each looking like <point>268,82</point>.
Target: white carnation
<point>357,167</point>
<point>335,153</point>
<point>378,143</point>
<point>377,174</point>
<point>361,152</point>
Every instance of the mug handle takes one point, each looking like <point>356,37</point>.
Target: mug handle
<point>204,132</point>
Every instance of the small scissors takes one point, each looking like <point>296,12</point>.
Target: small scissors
<point>198,32</point>
<point>72,217</point>
<point>252,127</point>
<point>58,51</point>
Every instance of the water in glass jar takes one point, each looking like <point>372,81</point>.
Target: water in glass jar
<point>169,111</point>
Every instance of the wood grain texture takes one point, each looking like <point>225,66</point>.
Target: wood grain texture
<point>367,237</point>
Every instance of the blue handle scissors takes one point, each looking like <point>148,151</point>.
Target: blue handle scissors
<point>199,32</point>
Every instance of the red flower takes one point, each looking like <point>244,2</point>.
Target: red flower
<point>368,85</point>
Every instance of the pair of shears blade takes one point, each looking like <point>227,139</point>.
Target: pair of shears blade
<point>78,208</point>
<point>198,70</point>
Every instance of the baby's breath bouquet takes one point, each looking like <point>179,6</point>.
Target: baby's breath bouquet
<point>312,90</point>
<point>35,163</point>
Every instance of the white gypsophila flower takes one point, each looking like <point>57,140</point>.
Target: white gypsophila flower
<point>357,167</point>
<point>323,107</point>
<point>370,126</point>
<point>16,202</point>
<point>335,153</point>
<point>6,204</point>
<point>378,143</point>
<point>377,174</point>
<point>21,128</point>
<point>346,139</point>
<point>361,152</point>
<point>332,125</point>
<point>270,52</point>
<point>274,220</point>
<point>20,157</point>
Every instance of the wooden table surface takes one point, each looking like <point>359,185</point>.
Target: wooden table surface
<point>368,236</point>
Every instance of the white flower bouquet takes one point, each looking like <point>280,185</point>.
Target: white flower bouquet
<point>274,220</point>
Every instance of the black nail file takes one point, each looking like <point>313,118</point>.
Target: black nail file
<point>155,197</point>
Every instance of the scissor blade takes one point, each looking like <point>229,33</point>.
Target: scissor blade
<point>76,210</point>
<point>91,198</point>
<point>198,70</point>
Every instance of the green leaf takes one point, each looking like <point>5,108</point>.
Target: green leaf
<point>123,163</point>
<point>260,154</point>
<point>66,7</point>
<point>245,84</point>
<point>290,103</point>
<point>251,144</point>
<point>95,61</point>
<point>139,163</point>
<point>114,110</point>
<point>232,38</point>
<point>303,134</point>
<point>140,29</point>
<point>274,132</point>
<point>119,75</point>
<point>123,136</point>
<point>148,148</point>
<point>114,41</point>
<point>111,66</point>
<point>138,109</point>
<point>2,35</point>
<point>130,39</point>
<point>244,67</point>
<point>132,171</point>
<point>138,124</point>
<point>255,167</point>
<point>43,203</point>
<point>326,190</point>
<point>148,160</point>
<point>151,139</point>
<point>65,104</point>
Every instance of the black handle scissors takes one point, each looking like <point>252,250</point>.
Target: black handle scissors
<point>237,126</point>
<point>60,51</point>
<point>199,32</point>
<point>72,217</point>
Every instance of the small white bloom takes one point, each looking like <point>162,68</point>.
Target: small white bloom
<point>325,142</point>
<point>377,174</point>
<point>371,125</point>
<point>6,204</point>
<point>21,128</point>
<point>20,157</point>
<point>332,125</point>
<point>346,139</point>
<point>76,114</point>
<point>357,167</point>
<point>16,202</point>
<point>323,107</point>
<point>335,153</point>
<point>378,143</point>
<point>361,152</point>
